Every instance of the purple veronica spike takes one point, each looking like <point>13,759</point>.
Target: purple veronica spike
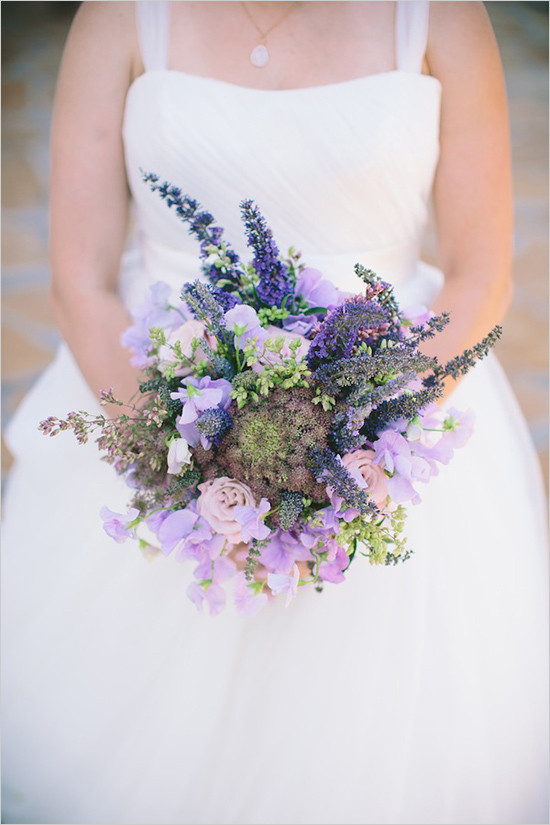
<point>274,281</point>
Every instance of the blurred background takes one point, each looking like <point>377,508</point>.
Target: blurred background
<point>33,34</point>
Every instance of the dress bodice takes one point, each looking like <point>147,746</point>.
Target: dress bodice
<point>342,171</point>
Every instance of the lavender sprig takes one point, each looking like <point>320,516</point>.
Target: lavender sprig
<point>461,364</point>
<point>203,302</point>
<point>354,371</point>
<point>407,406</point>
<point>326,465</point>
<point>200,224</point>
<point>356,321</point>
<point>377,288</point>
<point>428,330</point>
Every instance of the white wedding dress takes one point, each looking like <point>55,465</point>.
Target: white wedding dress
<point>413,694</point>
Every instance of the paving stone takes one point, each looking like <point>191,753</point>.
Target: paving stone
<point>544,457</point>
<point>22,246</point>
<point>20,183</point>
<point>524,341</point>
<point>6,458</point>
<point>14,95</point>
<point>21,356</point>
<point>30,303</point>
<point>530,287</point>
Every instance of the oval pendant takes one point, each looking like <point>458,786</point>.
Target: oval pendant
<point>259,56</point>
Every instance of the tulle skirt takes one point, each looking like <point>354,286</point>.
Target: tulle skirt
<point>411,694</point>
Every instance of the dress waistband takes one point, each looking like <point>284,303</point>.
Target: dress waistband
<point>415,282</point>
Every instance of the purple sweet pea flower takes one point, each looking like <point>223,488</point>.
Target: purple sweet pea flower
<point>218,569</point>
<point>252,521</point>
<point>180,528</point>
<point>199,547</point>
<point>417,315</point>
<point>213,594</point>
<point>154,521</point>
<point>328,519</point>
<point>431,416</point>
<point>317,291</point>
<point>283,551</point>
<point>153,312</point>
<point>401,489</point>
<point>337,560</point>
<point>244,323</point>
<point>300,324</point>
<point>129,477</point>
<point>393,452</point>
<point>440,451</point>
<point>136,338</point>
<point>116,524</point>
<point>288,584</point>
<point>458,426</point>
<point>198,395</point>
<point>248,600</point>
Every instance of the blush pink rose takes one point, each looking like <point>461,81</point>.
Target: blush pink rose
<point>374,476</point>
<point>286,352</point>
<point>185,335</point>
<point>216,502</point>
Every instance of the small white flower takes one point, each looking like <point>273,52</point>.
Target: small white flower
<point>178,455</point>
<point>414,432</point>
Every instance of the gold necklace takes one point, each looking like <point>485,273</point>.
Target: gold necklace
<point>259,55</point>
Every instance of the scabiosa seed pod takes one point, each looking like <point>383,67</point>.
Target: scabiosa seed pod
<point>213,424</point>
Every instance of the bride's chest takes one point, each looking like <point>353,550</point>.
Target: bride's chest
<point>328,149</point>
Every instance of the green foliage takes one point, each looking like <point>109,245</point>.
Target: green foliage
<point>276,372</point>
<point>269,315</point>
<point>381,538</point>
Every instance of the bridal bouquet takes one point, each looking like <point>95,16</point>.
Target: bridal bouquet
<point>281,424</point>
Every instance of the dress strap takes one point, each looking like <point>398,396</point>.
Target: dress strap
<point>411,34</point>
<point>152,18</point>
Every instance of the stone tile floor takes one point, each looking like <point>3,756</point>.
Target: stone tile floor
<point>32,39</point>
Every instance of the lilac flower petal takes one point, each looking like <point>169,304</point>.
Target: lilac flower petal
<point>247,602</point>
<point>251,520</point>
<point>116,524</point>
<point>401,489</point>
<point>284,584</point>
<point>317,291</point>
<point>332,569</point>
<point>175,527</point>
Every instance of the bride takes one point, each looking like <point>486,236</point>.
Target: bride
<point>413,694</point>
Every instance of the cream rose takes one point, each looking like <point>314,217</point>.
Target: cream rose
<point>186,335</point>
<point>375,477</point>
<point>216,502</point>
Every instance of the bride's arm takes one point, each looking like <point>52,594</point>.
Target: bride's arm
<point>89,195</point>
<point>472,190</point>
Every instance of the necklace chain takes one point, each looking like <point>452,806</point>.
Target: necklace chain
<point>264,34</point>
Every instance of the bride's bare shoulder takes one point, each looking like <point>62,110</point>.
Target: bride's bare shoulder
<point>104,34</point>
<point>461,41</point>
